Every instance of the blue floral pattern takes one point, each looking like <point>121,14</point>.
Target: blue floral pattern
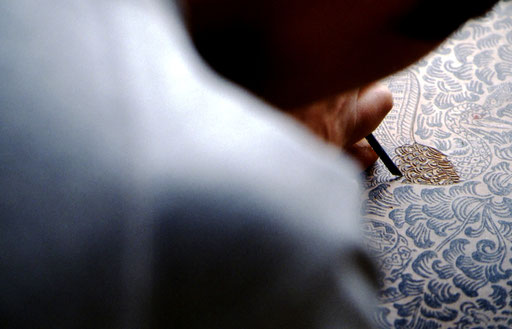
<point>445,252</point>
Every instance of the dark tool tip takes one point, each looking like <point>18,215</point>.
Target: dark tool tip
<point>383,155</point>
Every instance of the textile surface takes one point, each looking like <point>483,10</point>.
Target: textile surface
<point>442,234</point>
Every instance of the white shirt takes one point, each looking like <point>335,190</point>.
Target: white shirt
<point>140,189</point>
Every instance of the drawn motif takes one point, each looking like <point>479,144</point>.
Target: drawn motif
<point>445,252</point>
<point>421,164</point>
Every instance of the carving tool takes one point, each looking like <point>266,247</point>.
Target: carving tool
<point>383,155</point>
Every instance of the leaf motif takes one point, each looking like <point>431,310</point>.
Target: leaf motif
<point>471,232</point>
<point>390,294</point>
<point>435,195</point>
<point>447,314</point>
<point>506,229</point>
<point>398,217</point>
<point>439,294</point>
<point>499,179</point>
<point>381,316</point>
<point>485,75</point>
<point>420,235</point>
<point>496,273</point>
<point>440,227</point>
<point>487,252</point>
<point>485,305</point>
<point>461,72</point>
<point>504,70</point>
<point>457,248</point>
<point>370,208</point>
<point>505,53</point>
<point>504,23</point>
<point>413,214</point>
<point>490,41</point>
<point>443,271</point>
<point>421,265</point>
<point>409,308</point>
<point>469,209</point>
<point>499,296</point>
<point>382,197</point>
<point>441,210</point>
<point>469,287</point>
<point>468,188</point>
<point>483,58</point>
<point>410,287</point>
<point>504,153</point>
<point>470,268</point>
<point>463,51</point>
<point>406,194</point>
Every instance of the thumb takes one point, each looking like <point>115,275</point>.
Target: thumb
<point>373,104</point>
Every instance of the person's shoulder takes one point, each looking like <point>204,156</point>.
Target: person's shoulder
<point>239,147</point>
<point>256,199</point>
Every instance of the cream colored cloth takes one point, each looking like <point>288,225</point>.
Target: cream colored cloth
<point>444,250</point>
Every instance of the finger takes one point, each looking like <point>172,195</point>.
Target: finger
<point>363,153</point>
<point>332,119</point>
<point>373,104</point>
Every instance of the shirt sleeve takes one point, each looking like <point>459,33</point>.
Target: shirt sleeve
<point>236,260</point>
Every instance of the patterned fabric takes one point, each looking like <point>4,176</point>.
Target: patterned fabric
<point>445,251</point>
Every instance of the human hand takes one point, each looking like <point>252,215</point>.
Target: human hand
<point>345,119</point>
